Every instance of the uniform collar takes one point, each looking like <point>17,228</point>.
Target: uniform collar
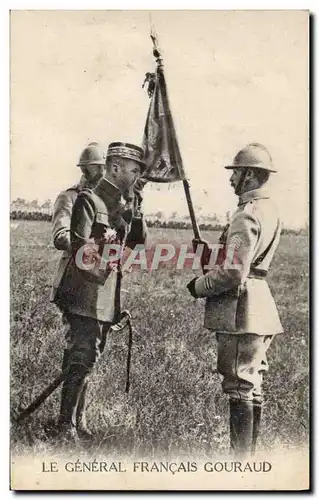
<point>82,184</point>
<point>255,194</point>
<point>106,190</point>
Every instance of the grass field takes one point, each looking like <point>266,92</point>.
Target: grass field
<point>175,402</point>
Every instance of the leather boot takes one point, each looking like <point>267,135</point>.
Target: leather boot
<point>65,360</point>
<point>81,424</point>
<point>64,366</point>
<point>70,396</point>
<point>241,427</point>
<point>256,425</point>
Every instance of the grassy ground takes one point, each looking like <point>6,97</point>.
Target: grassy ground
<point>175,402</point>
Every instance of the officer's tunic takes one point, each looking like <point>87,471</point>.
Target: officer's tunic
<point>80,291</point>
<point>238,299</point>
<point>239,305</point>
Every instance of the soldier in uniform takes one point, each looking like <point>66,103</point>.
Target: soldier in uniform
<point>239,305</point>
<point>89,298</point>
<point>92,165</point>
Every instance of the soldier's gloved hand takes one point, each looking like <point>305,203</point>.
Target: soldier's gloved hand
<point>206,250</point>
<point>191,288</point>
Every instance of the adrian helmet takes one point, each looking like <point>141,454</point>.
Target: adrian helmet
<point>253,155</point>
<point>92,154</point>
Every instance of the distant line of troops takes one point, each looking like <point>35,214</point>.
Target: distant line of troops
<point>239,306</point>
<point>25,215</point>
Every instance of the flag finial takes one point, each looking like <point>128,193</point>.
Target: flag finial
<point>156,49</point>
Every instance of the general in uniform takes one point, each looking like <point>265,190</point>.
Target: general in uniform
<point>239,304</point>
<point>90,298</point>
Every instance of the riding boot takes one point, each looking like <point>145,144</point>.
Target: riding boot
<point>241,426</point>
<point>256,425</point>
<point>70,396</point>
<point>81,423</point>
<point>65,361</point>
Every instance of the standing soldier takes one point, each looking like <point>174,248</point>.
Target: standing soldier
<point>239,304</point>
<point>92,164</point>
<point>88,297</point>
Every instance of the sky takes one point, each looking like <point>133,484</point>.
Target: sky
<point>233,77</point>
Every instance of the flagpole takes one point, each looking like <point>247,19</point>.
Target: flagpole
<point>160,68</point>
<point>191,210</point>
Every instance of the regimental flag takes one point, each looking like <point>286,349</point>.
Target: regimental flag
<point>161,149</point>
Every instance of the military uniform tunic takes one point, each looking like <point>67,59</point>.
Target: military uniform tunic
<point>80,291</point>
<point>238,299</point>
<point>239,305</point>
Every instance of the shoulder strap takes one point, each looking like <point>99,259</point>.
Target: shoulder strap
<point>261,257</point>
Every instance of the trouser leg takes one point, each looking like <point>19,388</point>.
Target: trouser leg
<point>241,361</point>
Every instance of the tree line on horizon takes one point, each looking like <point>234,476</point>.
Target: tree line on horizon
<point>21,209</point>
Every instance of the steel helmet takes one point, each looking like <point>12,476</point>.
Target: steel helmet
<point>92,154</point>
<point>253,155</point>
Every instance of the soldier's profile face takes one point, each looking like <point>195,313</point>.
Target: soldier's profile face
<point>92,172</point>
<point>235,177</point>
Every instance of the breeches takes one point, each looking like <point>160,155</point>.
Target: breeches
<point>85,340</point>
<point>242,361</point>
